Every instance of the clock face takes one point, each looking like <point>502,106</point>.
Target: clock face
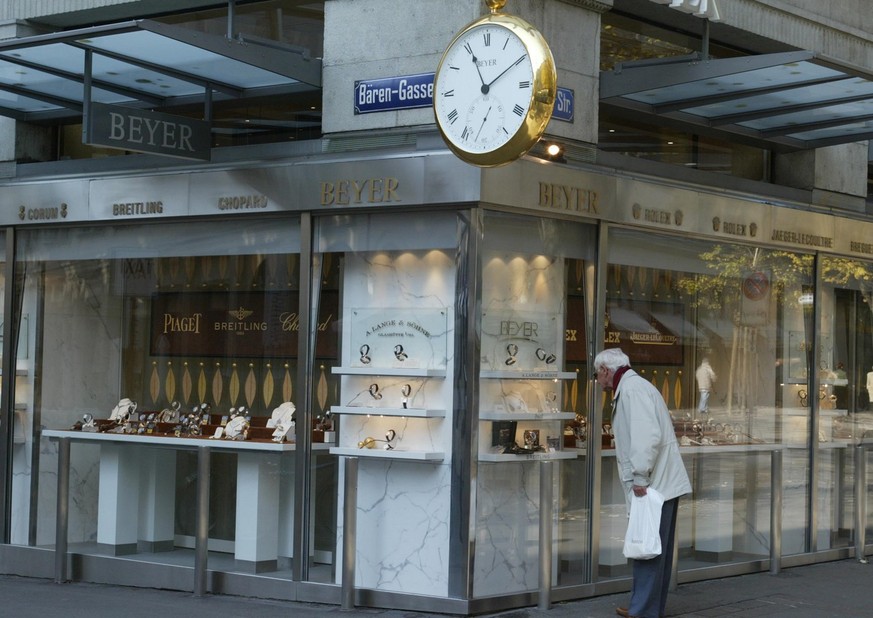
<point>484,89</point>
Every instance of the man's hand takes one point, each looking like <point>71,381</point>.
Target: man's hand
<point>640,490</point>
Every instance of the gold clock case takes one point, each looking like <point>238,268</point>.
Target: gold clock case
<point>543,93</point>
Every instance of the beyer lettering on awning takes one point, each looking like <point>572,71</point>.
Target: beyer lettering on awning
<point>127,128</point>
<point>705,9</point>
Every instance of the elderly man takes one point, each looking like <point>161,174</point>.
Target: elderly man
<point>647,455</point>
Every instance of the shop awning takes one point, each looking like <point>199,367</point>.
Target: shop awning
<point>784,101</point>
<point>143,64</point>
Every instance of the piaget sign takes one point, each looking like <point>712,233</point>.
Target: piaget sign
<point>261,325</point>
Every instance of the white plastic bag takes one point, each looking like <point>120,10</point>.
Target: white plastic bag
<point>643,540</point>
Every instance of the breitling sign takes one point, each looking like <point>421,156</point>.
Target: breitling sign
<point>240,325</point>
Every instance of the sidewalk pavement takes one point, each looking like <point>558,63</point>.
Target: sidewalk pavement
<point>842,589</point>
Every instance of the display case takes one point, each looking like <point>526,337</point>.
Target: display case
<point>392,385</point>
<point>521,414</point>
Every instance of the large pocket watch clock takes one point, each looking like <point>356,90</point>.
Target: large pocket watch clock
<point>494,89</point>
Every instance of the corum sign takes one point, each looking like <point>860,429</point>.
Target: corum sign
<point>699,8</point>
<point>140,130</point>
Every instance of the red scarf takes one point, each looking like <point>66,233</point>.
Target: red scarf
<point>616,377</point>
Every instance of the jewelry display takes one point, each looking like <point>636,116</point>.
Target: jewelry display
<point>802,396</point>
<point>389,438</point>
<point>370,442</point>
<point>122,411</point>
<point>531,438</point>
<point>543,356</point>
<point>86,424</point>
<point>171,414</point>
<point>374,391</point>
<point>283,420</point>
<point>607,439</point>
<point>365,354</point>
<point>512,351</point>
<point>399,354</point>
<point>406,391</point>
<point>237,426</point>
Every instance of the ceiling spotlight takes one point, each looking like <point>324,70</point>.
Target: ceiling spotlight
<point>553,150</point>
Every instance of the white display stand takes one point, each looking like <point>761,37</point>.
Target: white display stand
<point>136,503</point>
<point>119,492</point>
<point>157,499</point>
<point>257,512</point>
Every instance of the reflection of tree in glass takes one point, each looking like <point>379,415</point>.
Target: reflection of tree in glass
<point>728,265</point>
<point>718,291</point>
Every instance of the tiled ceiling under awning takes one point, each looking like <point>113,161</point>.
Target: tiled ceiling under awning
<point>143,64</point>
<point>783,101</point>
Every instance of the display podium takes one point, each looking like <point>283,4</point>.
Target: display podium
<point>136,502</point>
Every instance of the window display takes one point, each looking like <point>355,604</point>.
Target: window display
<point>533,382</point>
<point>153,343</point>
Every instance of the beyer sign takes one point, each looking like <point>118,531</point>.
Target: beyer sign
<point>141,130</point>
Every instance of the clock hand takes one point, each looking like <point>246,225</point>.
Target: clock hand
<point>481,126</point>
<point>469,49</point>
<point>502,73</point>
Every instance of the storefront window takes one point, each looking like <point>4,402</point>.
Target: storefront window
<point>674,306</point>
<point>533,402</point>
<point>189,323</point>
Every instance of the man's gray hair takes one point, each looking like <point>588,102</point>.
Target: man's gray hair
<point>612,359</point>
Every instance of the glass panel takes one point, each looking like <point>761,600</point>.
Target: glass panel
<point>845,391</point>
<point>770,77</point>
<point>43,83</point>
<point>671,306</point>
<point>70,59</point>
<point>19,103</point>
<point>533,407</point>
<point>384,364</point>
<point>159,50</point>
<point>818,93</point>
<point>173,317</point>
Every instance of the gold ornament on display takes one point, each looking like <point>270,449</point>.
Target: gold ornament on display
<point>494,89</point>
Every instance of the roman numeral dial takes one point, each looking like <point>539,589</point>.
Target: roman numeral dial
<point>484,89</point>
